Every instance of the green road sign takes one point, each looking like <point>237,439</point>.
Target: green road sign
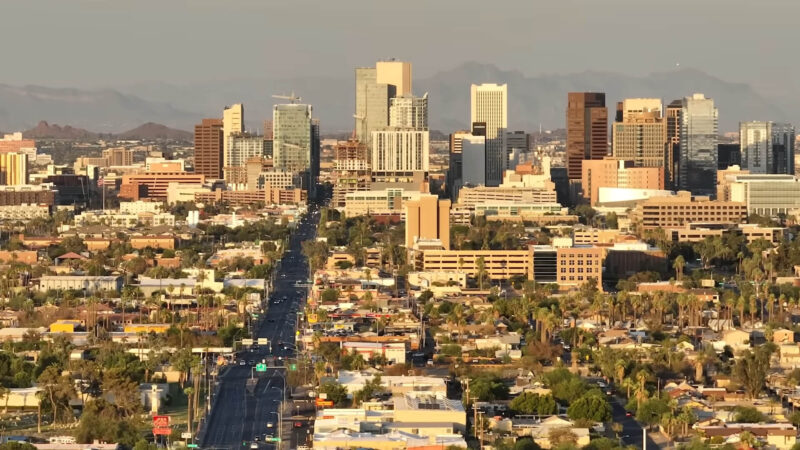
<point>275,439</point>
<point>292,366</point>
<point>191,445</point>
<point>261,367</point>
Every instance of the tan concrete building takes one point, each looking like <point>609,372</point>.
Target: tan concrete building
<point>395,73</point>
<point>682,209</point>
<point>640,133</point>
<point>614,173</point>
<point>577,265</point>
<point>378,202</point>
<point>595,236</point>
<point>118,156</point>
<point>13,169</point>
<point>428,218</point>
<point>499,264</point>
<point>725,178</point>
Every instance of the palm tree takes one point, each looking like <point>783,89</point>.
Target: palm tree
<point>641,377</point>
<point>678,265</point>
<point>189,391</point>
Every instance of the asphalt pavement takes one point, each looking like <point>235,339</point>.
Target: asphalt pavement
<point>240,416</point>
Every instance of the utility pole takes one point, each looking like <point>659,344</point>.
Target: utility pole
<point>644,438</point>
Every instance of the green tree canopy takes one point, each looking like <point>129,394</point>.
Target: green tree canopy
<point>590,406</point>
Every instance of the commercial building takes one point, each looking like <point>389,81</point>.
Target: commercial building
<point>697,171</point>
<point>624,259</point>
<point>13,169</point>
<point>474,171</point>
<point>395,73</point>
<point>682,209</point>
<point>724,179</point>
<point>380,202</point>
<point>140,242</point>
<point>24,212</point>
<point>209,148</point>
<point>408,111</point>
<point>14,143</point>
<point>612,197</point>
<point>577,265</point>
<point>587,130</point>
<point>767,195</point>
<point>375,87</point>
<point>499,264</point>
<point>427,218</point>
<point>615,173</point>
<point>489,106</point>
<point>155,184</point>
<point>767,147</point>
<point>40,194</point>
<point>292,142</point>
<point>518,141</point>
<point>471,196</point>
<point>640,134</point>
<point>673,112</point>
<point>118,156</point>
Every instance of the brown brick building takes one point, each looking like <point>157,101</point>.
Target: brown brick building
<point>587,130</point>
<point>208,145</point>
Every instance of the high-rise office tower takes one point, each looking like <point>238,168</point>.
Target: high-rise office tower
<point>232,123</point>
<point>208,148</point>
<point>372,103</point>
<point>587,130</point>
<point>395,73</point>
<point>473,160</point>
<point>489,104</point>
<point>640,133</point>
<point>673,142</point>
<point>399,151</point>
<point>697,171</point>
<point>13,169</point>
<point>517,142</point>
<point>783,142</point>
<point>293,136</point>
<point>119,156</point>
<point>408,111</point>
<point>755,140</point>
<point>427,218</point>
<point>454,171</point>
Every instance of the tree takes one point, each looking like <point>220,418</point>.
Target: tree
<point>678,265</point>
<point>480,272</point>
<point>650,411</point>
<point>530,403</point>
<point>486,388</point>
<point>371,388</point>
<point>751,369</point>
<point>189,391</point>
<point>591,406</point>
<point>57,391</point>
<point>103,421</point>
<point>335,393</point>
<point>748,414</point>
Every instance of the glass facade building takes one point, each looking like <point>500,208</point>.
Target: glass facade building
<point>697,171</point>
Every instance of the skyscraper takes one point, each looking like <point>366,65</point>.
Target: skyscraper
<point>489,104</point>
<point>372,103</point>
<point>697,171</point>
<point>13,169</point>
<point>755,140</point>
<point>292,133</point>
<point>208,148</point>
<point>241,147</point>
<point>673,142</point>
<point>232,123</point>
<point>587,130</point>
<point>399,151</point>
<point>783,141</point>
<point>395,73</point>
<point>408,111</point>
<point>640,133</point>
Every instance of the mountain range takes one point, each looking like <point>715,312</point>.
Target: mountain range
<point>148,131</point>
<point>533,101</point>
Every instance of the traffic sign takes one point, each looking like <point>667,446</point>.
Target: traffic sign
<point>191,445</point>
<point>247,342</point>
<point>261,367</point>
<point>263,341</point>
<point>162,431</point>
<point>273,439</point>
<point>186,435</point>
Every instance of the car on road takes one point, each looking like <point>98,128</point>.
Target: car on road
<point>252,362</point>
<point>254,445</point>
<point>270,424</point>
<point>242,362</point>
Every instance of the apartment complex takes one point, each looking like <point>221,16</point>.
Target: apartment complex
<point>577,265</point>
<point>408,111</point>
<point>682,209</point>
<point>350,171</point>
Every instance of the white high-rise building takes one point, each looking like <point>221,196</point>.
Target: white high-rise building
<point>489,105</point>
<point>400,150</point>
<point>410,112</point>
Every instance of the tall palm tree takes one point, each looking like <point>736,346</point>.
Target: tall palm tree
<point>678,265</point>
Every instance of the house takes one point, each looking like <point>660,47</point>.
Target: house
<point>789,356</point>
<point>738,340</point>
<point>541,430</point>
<point>779,435</point>
<point>783,336</point>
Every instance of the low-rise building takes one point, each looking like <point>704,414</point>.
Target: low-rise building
<point>163,242</point>
<point>86,283</point>
<point>682,209</point>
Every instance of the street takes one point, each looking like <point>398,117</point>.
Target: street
<point>239,418</point>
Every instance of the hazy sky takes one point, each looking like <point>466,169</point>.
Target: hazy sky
<point>91,43</point>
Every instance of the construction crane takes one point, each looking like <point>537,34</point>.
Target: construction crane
<point>360,118</point>
<point>291,97</point>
